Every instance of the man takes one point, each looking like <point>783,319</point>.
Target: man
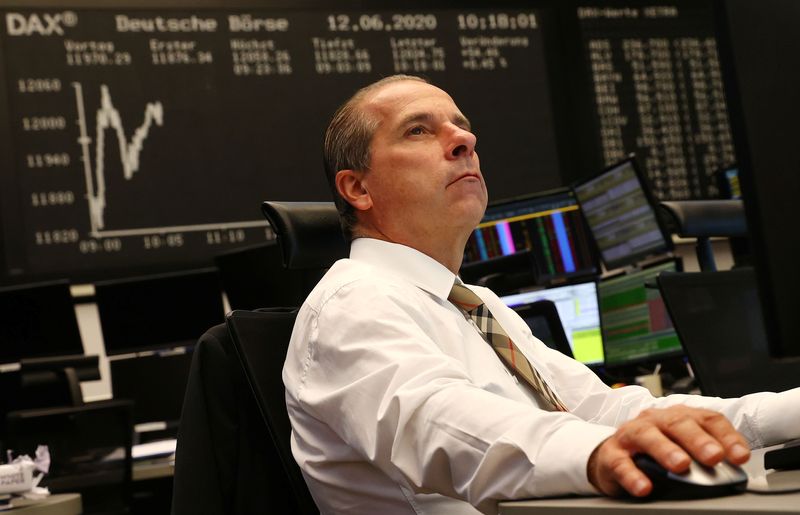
<point>399,405</point>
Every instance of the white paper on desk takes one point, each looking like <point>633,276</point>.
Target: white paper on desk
<point>154,449</point>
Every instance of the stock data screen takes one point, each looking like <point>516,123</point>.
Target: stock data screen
<point>142,138</point>
<point>657,88</point>
<point>548,225</point>
<point>620,216</point>
<point>636,325</point>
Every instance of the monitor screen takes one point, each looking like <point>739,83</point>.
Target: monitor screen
<point>548,224</point>
<point>636,325</point>
<point>38,321</point>
<point>621,215</point>
<point>158,312</point>
<point>577,307</point>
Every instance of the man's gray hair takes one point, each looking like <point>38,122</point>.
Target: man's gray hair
<point>347,143</point>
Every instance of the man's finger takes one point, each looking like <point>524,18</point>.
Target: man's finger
<point>735,446</point>
<point>628,475</point>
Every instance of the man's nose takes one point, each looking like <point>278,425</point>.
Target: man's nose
<point>462,143</point>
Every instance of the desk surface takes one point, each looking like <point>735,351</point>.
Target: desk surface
<point>153,469</point>
<point>746,503</point>
<point>58,504</point>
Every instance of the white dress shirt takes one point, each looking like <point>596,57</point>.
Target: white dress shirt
<point>399,406</point>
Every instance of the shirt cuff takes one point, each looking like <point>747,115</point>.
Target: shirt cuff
<point>561,465</point>
<point>778,416</point>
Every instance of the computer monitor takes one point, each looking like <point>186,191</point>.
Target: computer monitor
<point>758,52</point>
<point>158,311</point>
<point>577,307</point>
<point>158,400</point>
<point>620,212</point>
<point>719,320</point>
<point>542,317</point>
<point>547,224</point>
<point>728,183</point>
<point>635,321</point>
<point>38,321</point>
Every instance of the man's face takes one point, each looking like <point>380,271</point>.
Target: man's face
<point>424,177</point>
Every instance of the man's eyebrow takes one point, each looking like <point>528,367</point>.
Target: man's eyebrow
<point>457,119</point>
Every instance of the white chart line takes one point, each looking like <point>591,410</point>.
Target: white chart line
<point>178,228</point>
<point>108,117</point>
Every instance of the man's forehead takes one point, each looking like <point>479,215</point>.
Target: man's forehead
<point>397,98</point>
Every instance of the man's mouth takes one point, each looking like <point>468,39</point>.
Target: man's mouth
<point>468,175</point>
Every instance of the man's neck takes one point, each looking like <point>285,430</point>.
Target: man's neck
<point>449,255</point>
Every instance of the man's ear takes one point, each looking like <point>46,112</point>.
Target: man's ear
<point>351,188</point>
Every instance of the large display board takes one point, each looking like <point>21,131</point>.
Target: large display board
<point>150,137</point>
<point>142,136</point>
<point>656,86</point>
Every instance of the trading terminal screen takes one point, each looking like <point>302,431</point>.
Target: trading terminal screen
<point>578,309</point>
<point>549,225</point>
<point>621,216</point>
<point>636,325</point>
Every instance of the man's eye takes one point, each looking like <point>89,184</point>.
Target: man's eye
<point>416,131</point>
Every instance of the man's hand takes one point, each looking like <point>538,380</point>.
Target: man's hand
<point>667,435</point>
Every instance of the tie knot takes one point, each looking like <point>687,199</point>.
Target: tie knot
<point>464,298</point>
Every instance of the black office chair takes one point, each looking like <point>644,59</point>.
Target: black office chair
<point>309,233</point>
<point>233,452</point>
<point>704,219</point>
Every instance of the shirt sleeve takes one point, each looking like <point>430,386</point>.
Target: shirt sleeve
<point>388,391</point>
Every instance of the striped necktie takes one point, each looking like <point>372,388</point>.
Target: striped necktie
<point>474,309</point>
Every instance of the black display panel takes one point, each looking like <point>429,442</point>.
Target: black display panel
<point>759,50</point>
<point>38,321</point>
<point>158,312</point>
<point>148,138</point>
<point>656,87</point>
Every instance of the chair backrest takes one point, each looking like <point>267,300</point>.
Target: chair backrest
<point>718,318</point>
<point>309,233</point>
<point>254,277</point>
<point>261,339</point>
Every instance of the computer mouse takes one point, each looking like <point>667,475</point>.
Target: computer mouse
<point>697,482</point>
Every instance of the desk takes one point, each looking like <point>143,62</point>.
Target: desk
<point>743,504</point>
<point>58,504</point>
<point>153,469</point>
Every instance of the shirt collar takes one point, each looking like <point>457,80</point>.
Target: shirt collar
<point>410,264</point>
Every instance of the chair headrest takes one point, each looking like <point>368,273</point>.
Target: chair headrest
<point>308,233</point>
<point>703,218</point>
